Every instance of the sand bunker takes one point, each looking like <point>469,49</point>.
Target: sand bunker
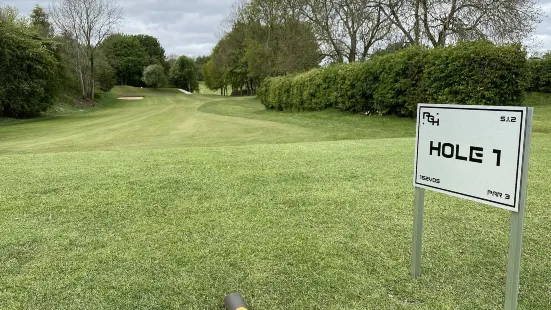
<point>185,92</point>
<point>130,98</point>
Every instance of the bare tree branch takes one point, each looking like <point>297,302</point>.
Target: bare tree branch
<point>88,22</point>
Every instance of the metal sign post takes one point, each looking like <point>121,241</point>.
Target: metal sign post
<point>517,224</point>
<point>417,232</point>
<point>490,143</point>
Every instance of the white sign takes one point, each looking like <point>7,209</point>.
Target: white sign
<point>472,152</point>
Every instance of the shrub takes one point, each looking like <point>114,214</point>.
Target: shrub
<point>29,71</point>
<point>477,73</point>
<point>539,74</point>
<point>98,94</point>
<point>400,85</point>
<point>469,73</point>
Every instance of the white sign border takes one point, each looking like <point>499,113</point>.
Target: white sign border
<point>520,159</point>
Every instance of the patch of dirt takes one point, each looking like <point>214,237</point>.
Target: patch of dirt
<point>130,98</point>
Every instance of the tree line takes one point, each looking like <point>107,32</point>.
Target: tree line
<point>72,50</point>
<point>265,38</point>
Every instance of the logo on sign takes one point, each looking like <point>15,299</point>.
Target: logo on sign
<point>431,118</point>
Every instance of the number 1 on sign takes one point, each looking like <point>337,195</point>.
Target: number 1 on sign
<point>498,154</point>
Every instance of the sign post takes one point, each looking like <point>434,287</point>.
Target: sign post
<point>517,224</point>
<point>417,232</point>
<point>479,153</point>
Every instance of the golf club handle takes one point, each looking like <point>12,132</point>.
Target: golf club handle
<point>235,301</point>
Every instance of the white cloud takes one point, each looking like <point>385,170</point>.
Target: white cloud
<point>190,27</point>
<point>185,27</point>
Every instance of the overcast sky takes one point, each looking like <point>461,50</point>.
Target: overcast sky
<point>191,27</point>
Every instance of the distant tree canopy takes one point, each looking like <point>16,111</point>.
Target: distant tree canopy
<point>154,76</point>
<point>266,38</point>
<point>539,73</point>
<point>63,52</point>
<point>259,46</point>
<point>199,63</point>
<point>85,24</point>
<point>155,51</point>
<point>41,22</point>
<point>78,59</point>
<point>127,57</point>
<point>153,48</point>
<point>214,77</point>
<point>183,74</point>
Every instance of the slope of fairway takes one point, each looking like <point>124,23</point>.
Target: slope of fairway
<point>174,201</point>
<point>166,118</point>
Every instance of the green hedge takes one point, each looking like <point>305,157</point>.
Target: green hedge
<point>540,74</point>
<point>471,73</point>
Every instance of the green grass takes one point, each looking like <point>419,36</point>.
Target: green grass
<point>174,201</point>
<point>204,90</point>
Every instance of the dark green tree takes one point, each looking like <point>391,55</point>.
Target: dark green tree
<point>41,22</point>
<point>29,68</point>
<point>215,70</point>
<point>154,49</point>
<point>199,63</point>
<point>183,74</point>
<point>127,57</point>
<point>154,76</point>
<point>105,74</point>
<point>214,76</point>
<point>261,44</point>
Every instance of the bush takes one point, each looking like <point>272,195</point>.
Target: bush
<point>399,86</point>
<point>98,94</point>
<point>29,71</point>
<point>471,73</point>
<point>539,74</point>
<point>477,73</point>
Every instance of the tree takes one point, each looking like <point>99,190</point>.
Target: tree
<point>346,29</point>
<point>171,60</point>
<point>154,49</point>
<point>297,49</point>
<point>215,69</point>
<point>127,57</point>
<point>440,22</point>
<point>183,74</point>
<point>266,39</point>
<point>199,63</point>
<point>234,48</point>
<point>154,76</point>
<point>76,61</point>
<point>105,74</point>
<point>41,22</point>
<point>29,68</point>
<point>214,77</point>
<point>88,23</point>
<point>152,46</point>
<point>9,16</point>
